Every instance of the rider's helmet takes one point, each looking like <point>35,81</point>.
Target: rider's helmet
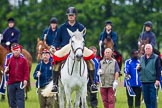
<point>108,22</point>
<point>71,11</point>
<point>53,20</point>
<point>148,23</point>
<point>12,20</point>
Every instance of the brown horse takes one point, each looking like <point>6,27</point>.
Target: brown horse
<point>4,52</point>
<point>41,45</point>
<point>141,46</point>
<point>108,43</point>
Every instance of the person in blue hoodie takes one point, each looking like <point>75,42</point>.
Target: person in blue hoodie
<point>93,96</point>
<point>43,75</point>
<point>132,76</point>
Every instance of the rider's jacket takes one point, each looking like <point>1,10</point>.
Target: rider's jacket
<point>150,36</point>
<point>112,35</point>
<point>46,73</point>
<point>130,69</point>
<point>50,35</point>
<point>63,37</point>
<point>10,34</point>
<point>18,69</point>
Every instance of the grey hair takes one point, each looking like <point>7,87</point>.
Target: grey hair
<point>148,45</point>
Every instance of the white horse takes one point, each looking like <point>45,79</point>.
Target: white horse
<point>73,73</point>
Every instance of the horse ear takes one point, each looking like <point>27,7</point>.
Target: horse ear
<point>70,32</point>
<point>38,39</point>
<point>84,31</point>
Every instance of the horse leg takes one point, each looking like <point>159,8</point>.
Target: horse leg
<point>77,100</point>
<point>83,93</point>
<point>68,96</point>
<point>61,95</point>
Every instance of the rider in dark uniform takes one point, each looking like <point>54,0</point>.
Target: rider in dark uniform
<point>10,34</point>
<point>62,41</point>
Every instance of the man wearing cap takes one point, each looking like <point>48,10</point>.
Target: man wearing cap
<point>62,40</point>
<point>8,56</point>
<point>43,75</point>
<point>18,70</point>
<point>147,33</point>
<point>50,33</point>
<point>10,34</point>
<point>108,33</point>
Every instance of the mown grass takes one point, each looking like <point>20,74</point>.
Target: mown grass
<point>121,102</point>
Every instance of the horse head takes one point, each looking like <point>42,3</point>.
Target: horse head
<point>108,43</point>
<point>41,45</point>
<point>141,45</point>
<point>77,43</point>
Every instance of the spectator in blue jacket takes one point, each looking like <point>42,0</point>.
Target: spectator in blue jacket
<point>147,34</point>
<point>43,75</point>
<point>132,75</point>
<point>10,34</point>
<point>50,33</point>
<point>93,96</point>
<point>109,34</point>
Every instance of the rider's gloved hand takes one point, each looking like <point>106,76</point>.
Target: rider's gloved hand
<point>52,49</point>
<point>8,43</point>
<point>100,43</point>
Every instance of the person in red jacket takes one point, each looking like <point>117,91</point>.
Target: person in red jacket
<point>18,70</point>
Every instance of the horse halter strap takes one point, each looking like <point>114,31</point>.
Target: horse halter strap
<point>82,49</point>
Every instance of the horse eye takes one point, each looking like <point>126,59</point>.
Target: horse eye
<point>72,41</point>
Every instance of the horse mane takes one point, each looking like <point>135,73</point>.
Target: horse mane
<point>41,45</point>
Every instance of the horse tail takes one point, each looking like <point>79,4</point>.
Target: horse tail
<point>46,92</point>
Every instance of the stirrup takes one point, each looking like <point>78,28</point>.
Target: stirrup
<point>54,89</point>
<point>94,88</point>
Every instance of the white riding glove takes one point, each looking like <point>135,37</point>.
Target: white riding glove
<point>100,43</point>
<point>115,84</point>
<point>100,72</point>
<point>52,49</point>
<point>8,43</point>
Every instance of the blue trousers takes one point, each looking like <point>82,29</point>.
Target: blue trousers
<point>16,95</point>
<point>149,93</point>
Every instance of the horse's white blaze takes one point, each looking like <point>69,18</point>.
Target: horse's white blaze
<point>39,47</point>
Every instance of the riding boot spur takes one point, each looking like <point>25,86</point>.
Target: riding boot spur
<point>91,71</point>
<point>55,76</point>
<point>93,87</point>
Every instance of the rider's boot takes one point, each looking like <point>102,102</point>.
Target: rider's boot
<point>93,87</point>
<point>55,76</point>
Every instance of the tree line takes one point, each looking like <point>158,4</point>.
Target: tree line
<point>128,17</point>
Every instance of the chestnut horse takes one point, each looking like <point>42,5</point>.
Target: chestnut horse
<point>41,45</point>
<point>4,52</point>
<point>108,43</point>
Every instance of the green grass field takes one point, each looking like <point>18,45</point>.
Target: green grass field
<point>121,102</point>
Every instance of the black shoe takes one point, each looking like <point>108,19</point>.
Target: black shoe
<point>54,89</point>
<point>94,88</point>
